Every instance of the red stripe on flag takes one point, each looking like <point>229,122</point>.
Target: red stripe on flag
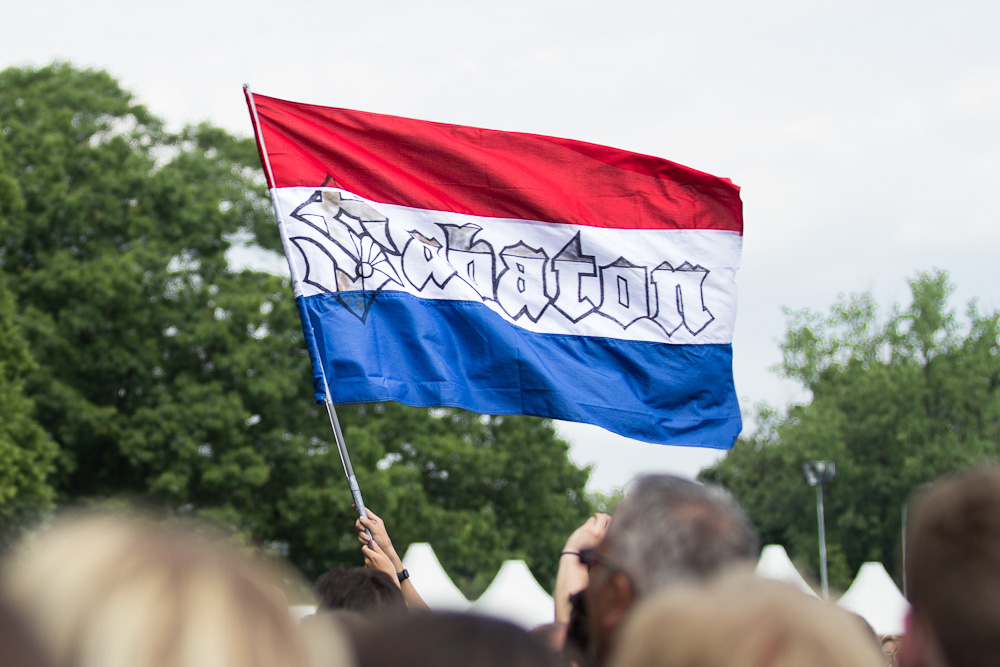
<point>488,173</point>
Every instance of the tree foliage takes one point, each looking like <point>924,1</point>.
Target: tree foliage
<point>27,453</point>
<point>895,403</point>
<point>139,365</point>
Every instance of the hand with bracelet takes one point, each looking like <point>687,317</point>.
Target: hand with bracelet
<point>381,555</point>
<point>573,575</point>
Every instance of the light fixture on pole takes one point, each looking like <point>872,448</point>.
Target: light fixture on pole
<point>818,473</point>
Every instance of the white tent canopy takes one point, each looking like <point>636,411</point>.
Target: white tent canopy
<point>431,581</point>
<point>775,564</point>
<point>516,596</point>
<point>875,597</point>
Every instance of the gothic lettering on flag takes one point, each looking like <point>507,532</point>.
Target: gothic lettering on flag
<point>506,273</point>
<point>561,279</point>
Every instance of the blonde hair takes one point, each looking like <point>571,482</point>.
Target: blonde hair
<point>742,621</point>
<point>109,590</point>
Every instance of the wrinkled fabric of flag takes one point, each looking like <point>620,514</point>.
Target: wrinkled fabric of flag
<point>507,273</point>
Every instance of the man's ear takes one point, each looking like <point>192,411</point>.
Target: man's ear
<point>609,599</point>
<point>621,596</point>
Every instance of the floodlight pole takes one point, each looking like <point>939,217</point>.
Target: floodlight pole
<point>822,541</point>
<point>816,473</point>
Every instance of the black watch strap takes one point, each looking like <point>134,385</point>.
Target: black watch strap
<point>403,576</point>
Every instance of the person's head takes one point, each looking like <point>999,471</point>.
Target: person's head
<point>953,573</point>
<point>667,531</point>
<point>358,589</point>
<point>19,647</point>
<point>741,621</point>
<point>109,590</point>
<point>430,639</point>
<point>552,635</point>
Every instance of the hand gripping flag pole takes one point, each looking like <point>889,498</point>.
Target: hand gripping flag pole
<point>338,434</point>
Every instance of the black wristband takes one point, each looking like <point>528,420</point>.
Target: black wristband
<point>403,576</point>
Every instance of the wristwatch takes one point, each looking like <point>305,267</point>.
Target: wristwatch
<point>403,576</point>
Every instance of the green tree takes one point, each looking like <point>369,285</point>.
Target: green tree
<point>166,378</point>
<point>895,403</point>
<point>473,486</point>
<point>28,454</point>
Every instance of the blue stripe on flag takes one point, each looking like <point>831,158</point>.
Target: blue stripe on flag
<point>428,353</point>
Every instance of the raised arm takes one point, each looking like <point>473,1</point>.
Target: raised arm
<point>572,575</point>
<point>381,555</point>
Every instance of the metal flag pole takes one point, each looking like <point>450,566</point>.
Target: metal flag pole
<point>338,434</point>
<point>345,457</point>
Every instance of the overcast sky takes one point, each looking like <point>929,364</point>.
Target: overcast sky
<point>864,134</point>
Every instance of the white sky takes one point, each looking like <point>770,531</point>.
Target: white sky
<point>864,134</point>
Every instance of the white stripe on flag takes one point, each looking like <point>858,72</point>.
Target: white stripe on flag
<point>674,286</point>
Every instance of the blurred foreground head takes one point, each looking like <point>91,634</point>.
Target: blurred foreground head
<point>18,645</point>
<point>953,573</point>
<point>667,532</point>
<point>110,590</point>
<point>742,621</point>
<point>435,639</point>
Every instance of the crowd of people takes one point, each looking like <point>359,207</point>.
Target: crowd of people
<point>666,581</point>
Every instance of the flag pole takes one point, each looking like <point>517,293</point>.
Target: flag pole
<point>338,434</point>
<point>345,457</point>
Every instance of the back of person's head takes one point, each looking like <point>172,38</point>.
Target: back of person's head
<point>358,589</point>
<point>953,570</point>
<point>741,621</point>
<point>19,647</point>
<point>552,635</point>
<point>670,530</point>
<point>109,590</point>
<point>433,639</point>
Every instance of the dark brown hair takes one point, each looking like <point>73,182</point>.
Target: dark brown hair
<point>358,589</point>
<point>428,639</point>
<point>953,565</point>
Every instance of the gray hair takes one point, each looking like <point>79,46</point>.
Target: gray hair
<point>670,530</point>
